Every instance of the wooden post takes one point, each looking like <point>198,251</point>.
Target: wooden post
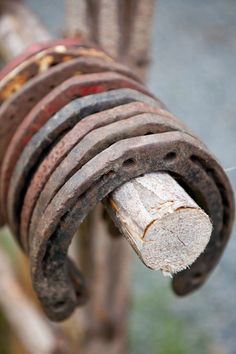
<point>16,34</point>
<point>123,29</point>
<point>31,327</point>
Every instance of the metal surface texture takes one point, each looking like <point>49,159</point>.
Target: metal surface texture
<point>41,61</point>
<point>16,108</point>
<point>55,128</point>
<point>75,87</point>
<point>70,135</point>
<point>29,82</point>
<point>91,143</point>
<point>179,154</point>
<point>35,49</point>
<point>62,149</point>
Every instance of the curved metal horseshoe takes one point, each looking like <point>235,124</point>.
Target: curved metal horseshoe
<point>72,88</point>
<point>62,121</point>
<point>115,165</point>
<point>66,144</point>
<point>75,125</point>
<point>15,109</point>
<point>35,49</point>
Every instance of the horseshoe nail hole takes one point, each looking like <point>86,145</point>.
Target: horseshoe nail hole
<point>31,99</point>
<point>110,173</point>
<point>210,171</point>
<point>197,278</point>
<point>129,163</point>
<point>194,158</point>
<point>79,293</point>
<point>170,156</point>
<point>58,305</point>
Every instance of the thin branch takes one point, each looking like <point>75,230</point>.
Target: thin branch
<point>31,327</point>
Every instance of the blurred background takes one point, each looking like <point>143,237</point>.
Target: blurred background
<point>193,70</point>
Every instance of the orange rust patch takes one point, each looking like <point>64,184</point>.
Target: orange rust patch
<point>13,86</point>
<point>67,58</point>
<point>95,53</point>
<point>44,63</point>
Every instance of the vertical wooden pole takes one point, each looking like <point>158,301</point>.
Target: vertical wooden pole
<point>103,254</point>
<point>31,327</point>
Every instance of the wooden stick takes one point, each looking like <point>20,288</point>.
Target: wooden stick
<point>33,330</point>
<point>105,260</point>
<point>108,25</point>
<point>76,18</point>
<point>137,53</point>
<point>166,227</point>
<point>19,29</point>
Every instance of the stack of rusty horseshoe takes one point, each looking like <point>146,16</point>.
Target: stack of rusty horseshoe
<point>75,125</point>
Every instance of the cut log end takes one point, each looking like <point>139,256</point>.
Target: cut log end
<point>167,229</point>
<point>176,241</point>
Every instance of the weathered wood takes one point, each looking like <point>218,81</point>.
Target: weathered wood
<point>105,260</point>
<point>76,18</point>
<point>165,226</point>
<point>19,29</point>
<point>108,26</point>
<point>137,53</point>
<point>31,327</point>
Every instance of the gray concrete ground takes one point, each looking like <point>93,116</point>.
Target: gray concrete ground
<point>194,72</point>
